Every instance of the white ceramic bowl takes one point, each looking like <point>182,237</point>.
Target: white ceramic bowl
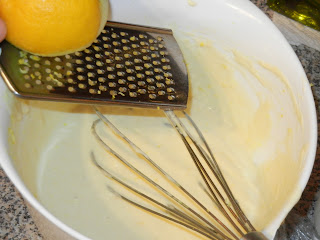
<point>236,23</point>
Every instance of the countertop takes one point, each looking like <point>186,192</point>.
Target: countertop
<point>16,222</point>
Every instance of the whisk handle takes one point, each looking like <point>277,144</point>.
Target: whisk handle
<point>254,236</point>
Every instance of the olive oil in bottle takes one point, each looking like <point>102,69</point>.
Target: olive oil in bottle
<point>306,12</point>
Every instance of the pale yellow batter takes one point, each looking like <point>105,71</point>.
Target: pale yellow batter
<point>245,109</point>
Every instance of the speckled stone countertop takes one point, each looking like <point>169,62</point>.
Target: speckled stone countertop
<point>16,223</point>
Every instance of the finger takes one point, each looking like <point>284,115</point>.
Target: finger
<point>3,30</point>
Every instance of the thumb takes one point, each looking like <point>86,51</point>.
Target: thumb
<point>3,30</point>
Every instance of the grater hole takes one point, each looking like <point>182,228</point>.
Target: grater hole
<point>133,38</point>
<point>161,45</point>
<point>170,90</point>
<point>155,55</point>
<point>156,63</point>
<point>68,64</point>
<point>108,54</point>
<point>132,86</point>
<point>26,77</point>
<point>118,58</point>
<point>103,88</point>
<point>110,69</point>
<point>107,46</point>
<point>58,67</point>
<point>100,71</point>
<point>36,65</point>
<point>24,70</point>
<point>47,62</point>
<point>57,59</point>
<point>123,34</point>
<point>80,69</point>
<point>119,66</point>
<point>150,80</point>
<point>146,58</point>
<point>116,43</point>
<point>128,63</point>
<point>131,78</point>
<point>90,59</point>
<point>81,77</point>
<point>166,67</point>
<point>123,89</point>
<point>122,81</point>
<point>143,43</point>
<point>139,68</point>
<point>151,88</point>
<point>111,76</point>
<point>160,85</point>
<point>37,73</point>
<point>133,94</point>
<point>90,66</point>
<point>149,73</point>
<point>71,89</point>
<point>153,48</point>
<point>164,53</point>
<point>137,61</point>
<point>151,40</point>
<point>96,40</point>
<point>68,56</point>
<point>157,70</point>
<point>113,93</point>
<point>78,54</point>
<point>147,65</point>
<point>49,87</point>
<point>125,41</point>
<point>167,75</point>
<point>38,82</point>
<point>79,61</point>
<point>134,45</point>
<point>88,51</point>
<point>93,91</point>
<point>82,86</point>
<point>136,53</point>
<point>171,97</point>
<point>112,84</point>
<point>101,79</point>
<point>143,50</point>
<point>161,93</point>
<point>140,75</point>
<point>27,85</point>
<point>91,75</point>
<point>142,91</point>
<point>97,48</point>
<point>121,74</point>
<point>142,36</point>
<point>165,60</point>
<point>71,81</point>
<point>97,56</point>
<point>160,39</point>
<point>114,35</point>
<point>99,63</point>
<point>117,51</point>
<point>152,96</point>
<point>126,48</point>
<point>141,83</point>
<point>48,70</point>
<point>159,77</point>
<point>104,38</point>
<point>92,82</point>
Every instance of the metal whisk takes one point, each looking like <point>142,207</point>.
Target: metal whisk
<point>210,226</point>
<point>133,66</point>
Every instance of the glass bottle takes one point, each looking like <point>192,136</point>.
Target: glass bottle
<point>306,12</point>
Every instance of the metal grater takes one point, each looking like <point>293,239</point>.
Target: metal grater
<point>127,64</point>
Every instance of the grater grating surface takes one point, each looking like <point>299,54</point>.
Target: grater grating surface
<point>127,64</point>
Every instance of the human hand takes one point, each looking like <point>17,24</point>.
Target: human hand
<point>3,30</point>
